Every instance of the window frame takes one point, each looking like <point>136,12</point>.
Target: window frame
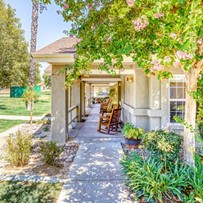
<point>183,79</point>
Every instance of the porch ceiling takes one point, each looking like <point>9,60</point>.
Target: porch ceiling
<point>100,80</point>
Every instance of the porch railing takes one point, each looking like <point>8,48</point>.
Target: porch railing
<point>72,114</point>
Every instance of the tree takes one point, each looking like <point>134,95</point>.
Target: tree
<point>158,35</point>
<point>47,80</point>
<point>36,6</point>
<point>33,41</point>
<point>14,58</point>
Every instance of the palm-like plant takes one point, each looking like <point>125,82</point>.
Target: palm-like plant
<point>33,45</point>
<point>33,41</point>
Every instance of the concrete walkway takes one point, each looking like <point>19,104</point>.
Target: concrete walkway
<point>95,175</point>
<point>23,118</point>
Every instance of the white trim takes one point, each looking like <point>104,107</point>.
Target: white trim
<point>182,76</point>
<point>100,79</point>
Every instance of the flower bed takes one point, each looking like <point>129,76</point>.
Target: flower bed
<point>158,173</point>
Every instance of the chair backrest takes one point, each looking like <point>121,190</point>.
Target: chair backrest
<point>115,116</point>
<point>109,105</point>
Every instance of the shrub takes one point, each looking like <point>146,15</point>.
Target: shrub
<point>149,179</point>
<point>30,96</point>
<point>51,152</point>
<point>200,127</point>
<point>18,148</point>
<point>126,127</point>
<point>195,177</point>
<point>164,145</point>
<point>131,132</point>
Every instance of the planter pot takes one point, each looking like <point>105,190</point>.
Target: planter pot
<point>132,143</point>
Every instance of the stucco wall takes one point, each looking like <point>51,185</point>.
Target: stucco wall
<point>141,90</point>
<point>146,102</point>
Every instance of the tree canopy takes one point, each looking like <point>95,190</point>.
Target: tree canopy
<point>157,34</point>
<point>14,58</point>
<point>47,79</point>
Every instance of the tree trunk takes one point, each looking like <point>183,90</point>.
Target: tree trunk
<point>33,44</point>
<point>33,41</point>
<point>190,114</point>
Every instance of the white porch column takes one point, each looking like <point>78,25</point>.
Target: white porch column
<point>76,97</point>
<point>88,95</point>
<point>58,106</point>
<point>82,98</point>
<point>165,121</point>
<point>155,103</point>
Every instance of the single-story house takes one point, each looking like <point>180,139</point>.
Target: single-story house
<point>146,101</point>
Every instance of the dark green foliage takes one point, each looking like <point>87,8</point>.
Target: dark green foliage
<point>163,145</point>
<point>14,63</point>
<point>149,179</point>
<point>24,192</point>
<point>51,152</point>
<point>195,177</point>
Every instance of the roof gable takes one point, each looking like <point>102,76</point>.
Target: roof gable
<point>62,46</point>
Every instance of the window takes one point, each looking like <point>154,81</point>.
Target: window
<point>177,97</point>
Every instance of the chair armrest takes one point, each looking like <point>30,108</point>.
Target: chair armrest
<point>104,117</point>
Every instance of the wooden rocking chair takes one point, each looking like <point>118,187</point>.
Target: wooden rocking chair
<point>105,105</point>
<point>110,122</point>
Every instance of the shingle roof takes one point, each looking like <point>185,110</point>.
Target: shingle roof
<point>61,46</point>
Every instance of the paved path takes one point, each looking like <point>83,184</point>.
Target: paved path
<point>24,118</point>
<point>95,175</point>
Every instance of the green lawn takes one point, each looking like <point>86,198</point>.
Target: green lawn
<point>16,106</point>
<point>6,124</point>
<point>26,192</point>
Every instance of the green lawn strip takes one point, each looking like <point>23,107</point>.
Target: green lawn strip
<point>24,192</point>
<point>6,124</point>
<point>16,106</point>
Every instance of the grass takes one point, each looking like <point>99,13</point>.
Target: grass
<point>16,106</point>
<point>6,124</point>
<point>25,192</point>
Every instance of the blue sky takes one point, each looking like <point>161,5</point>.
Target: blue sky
<point>51,25</point>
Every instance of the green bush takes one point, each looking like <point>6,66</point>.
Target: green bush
<point>126,127</point>
<point>30,96</point>
<point>129,131</point>
<point>18,148</point>
<point>200,127</point>
<point>51,152</point>
<point>195,177</point>
<point>164,145</point>
<point>149,179</point>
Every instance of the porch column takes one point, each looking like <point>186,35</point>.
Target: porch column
<point>155,115</point>
<point>88,95</point>
<point>76,98</point>
<point>82,98</point>
<point>165,121</point>
<point>58,106</point>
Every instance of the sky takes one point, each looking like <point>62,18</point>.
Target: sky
<point>51,25</point>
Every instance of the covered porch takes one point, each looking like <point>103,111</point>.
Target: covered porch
<point>144,101</point>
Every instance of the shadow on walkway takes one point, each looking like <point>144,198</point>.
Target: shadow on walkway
<point>96,175</point>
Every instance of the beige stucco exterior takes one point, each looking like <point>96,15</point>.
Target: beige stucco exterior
<point>145,100</point>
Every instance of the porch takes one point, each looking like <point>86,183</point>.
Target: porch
<point>145,100</point>
<point>95,175</point>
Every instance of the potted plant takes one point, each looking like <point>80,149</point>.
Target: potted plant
<point>132,135</point>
